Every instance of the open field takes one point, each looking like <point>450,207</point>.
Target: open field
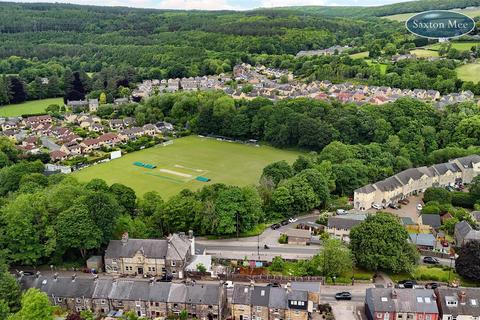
<point>423,53</point>
<point>469,72</point>
<point>359,55</point>
<point>29,107</point>
<point>473,12</point>
<point>382,66</point>
<point>462,46</point>
<point>180,163</point>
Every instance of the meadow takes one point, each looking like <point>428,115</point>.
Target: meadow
<point>29,107</point>
<point>178,164</point>
<point>469,72</point>
<point>424,53</point>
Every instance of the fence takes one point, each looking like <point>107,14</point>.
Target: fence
<point>268,278</point>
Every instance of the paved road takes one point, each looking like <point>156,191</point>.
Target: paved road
<point>247,247</point>
<point>443,262</point>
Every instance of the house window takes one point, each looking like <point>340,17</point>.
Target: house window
<point>259,309</point>
<point>157,304</point>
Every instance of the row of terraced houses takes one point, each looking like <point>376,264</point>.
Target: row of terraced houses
<point>415,180</point>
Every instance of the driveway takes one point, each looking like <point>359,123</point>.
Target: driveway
<point>346,310</point>
<point>406,211</point>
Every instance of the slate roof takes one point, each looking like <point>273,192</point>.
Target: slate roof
<point>61,287</point>
<point>178,293</point>
<point>278,298</point>
<point>469,160</point>
<point>471,307</point>
<point>159,291</point>
<point>298,233</point>
<point>465,232</point>
<point>102,288</point>
<point>241,294</point>
<point>476,215</point>
<point>407,300</point>
<point>203,294</point>
<point>313,287</point>
<point>152,248</point>
<point>175,248</point>
<point>432,220</point>
<point>261,296</point>
<point>347,221</point>
<point>422,239</point>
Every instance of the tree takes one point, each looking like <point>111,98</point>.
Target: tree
<point>334,259</point>
<point>10,293</point>
<point>103,98</point>
<point>278,171</point>
<point>440,195</point>
<point>17,89</point>
<point>467,264</point>
<point>76,230</point>
<point>381,243</point>
<point>278,264</point>
<point>35,306</point>
<point>103,209</point>
<point>474,187</point>
<point>125,196</point>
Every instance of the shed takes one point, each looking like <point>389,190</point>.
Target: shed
<point>425,241</point>
<point>298,236</point>
<point>95,262</point>
<point>432,220</point>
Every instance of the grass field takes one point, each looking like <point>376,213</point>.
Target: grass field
<point>462,46</point>
<point>30,107</point>
<point>473,12</point>
<point>179,163</point>
<point>422,53</point>
<point>469,72</point>
<point>359,55</point>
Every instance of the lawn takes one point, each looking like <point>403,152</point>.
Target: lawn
<point>179,163</point>
<point>469,72</point>
<point>30,107</point>
<point>382,66</point>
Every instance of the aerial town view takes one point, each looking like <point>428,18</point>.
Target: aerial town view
<point>240,160</point>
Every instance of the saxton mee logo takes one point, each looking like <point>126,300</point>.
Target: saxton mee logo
<point>440,24</point>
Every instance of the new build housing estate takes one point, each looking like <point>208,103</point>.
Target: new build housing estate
<point>414,180</point>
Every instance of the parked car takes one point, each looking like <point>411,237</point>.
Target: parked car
<point>432,285</point>
<point>343,296</point>
<point>274,285</point>
<point>430,260</point>
<point>228,284</point>
<point>292,220</point>
<point>407,284</point>
<point>404,201</point>
<point>377,206</point>
<point>419,206</point>
<point>444,243</point>
<point>284,222</point>
<point>275,226</point>
<point>341,212</point>
<point>28,273</point>
<point>394,206</point>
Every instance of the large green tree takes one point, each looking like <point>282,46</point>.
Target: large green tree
<point>381,243</point>
<point>468,262</point>
<point>35,306</point>
<point>334,259</point>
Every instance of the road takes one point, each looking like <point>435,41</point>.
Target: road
<point>443,262</point>
<point>248,247</point>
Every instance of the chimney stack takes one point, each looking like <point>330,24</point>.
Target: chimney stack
<point>124,238</point>
<point>74,276</point>
<point>462,295</point>
<point>394,294</point>
<point>55,276</point>
<point>152,281</point>
<point>37,274</point>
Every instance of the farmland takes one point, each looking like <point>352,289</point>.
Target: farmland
<point>469,72</point>
<point>30,107</point>
<point>178,164</point>
<point>471,12</point>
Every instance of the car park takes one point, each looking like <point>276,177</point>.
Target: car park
<point>430,260</point>
<point>343,296</point>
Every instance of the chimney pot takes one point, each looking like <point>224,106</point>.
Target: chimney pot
<point>124,238</point>
<point>74,276</point>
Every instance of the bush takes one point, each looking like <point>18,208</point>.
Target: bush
<point>439,195</point>
<point>431,208</point>
<point>277,264</point>
<point>283,239</point>
<point>463,199</point>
